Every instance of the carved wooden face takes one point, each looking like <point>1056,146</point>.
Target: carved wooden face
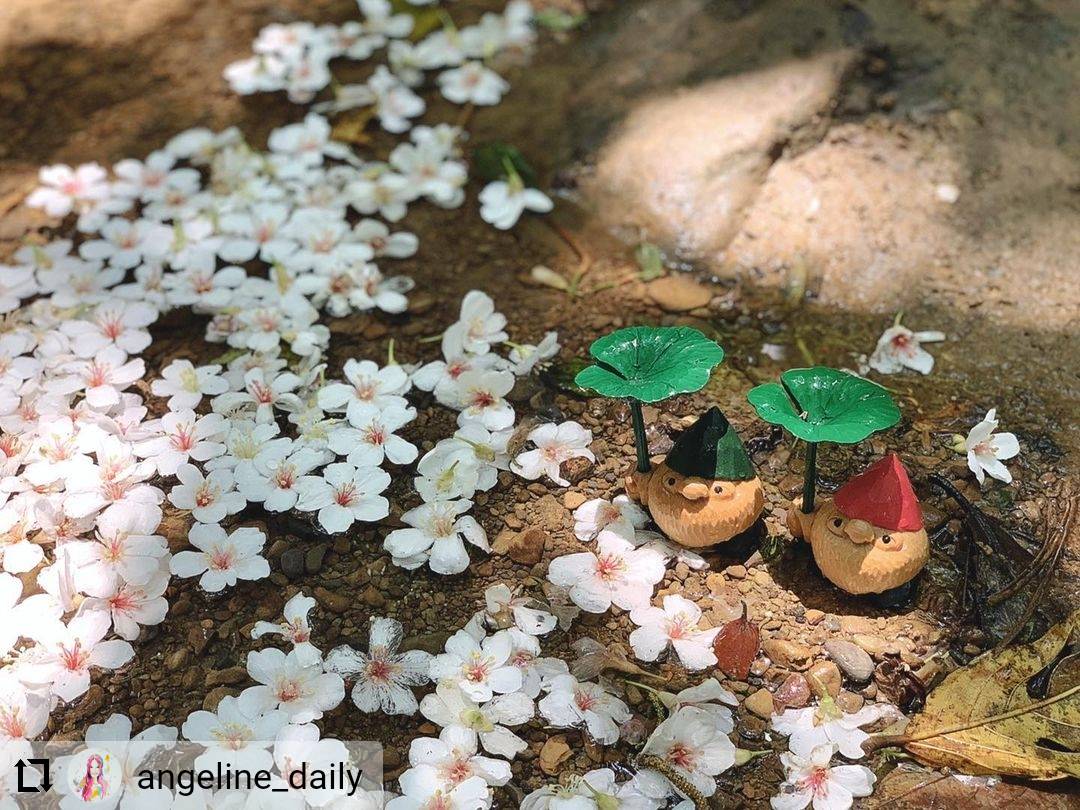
<point>861,558</point>
<point>700,512</point>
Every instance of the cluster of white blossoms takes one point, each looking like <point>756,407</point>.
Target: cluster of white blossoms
<point>815,735</point>
<point>474,381</point>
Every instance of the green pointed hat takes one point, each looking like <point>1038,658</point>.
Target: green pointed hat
<point>710,448</point>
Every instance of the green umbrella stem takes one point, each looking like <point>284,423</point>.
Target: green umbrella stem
<point>810,479</point>
<point>640,442</point>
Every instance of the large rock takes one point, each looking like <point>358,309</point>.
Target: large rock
<point>686,165</point>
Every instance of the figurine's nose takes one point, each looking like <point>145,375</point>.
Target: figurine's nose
<point>695,491</point>
<point>859,531</point>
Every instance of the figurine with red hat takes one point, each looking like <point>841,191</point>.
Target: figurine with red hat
<point>869,539</point>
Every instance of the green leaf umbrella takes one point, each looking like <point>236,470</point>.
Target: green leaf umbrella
<point>822,404</point>
<point>648,364</point>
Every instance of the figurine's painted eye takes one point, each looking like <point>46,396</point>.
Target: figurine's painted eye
<point>718,489</point>
<point>886,539</point>
<point>671,482</point>
<point>837,522</point>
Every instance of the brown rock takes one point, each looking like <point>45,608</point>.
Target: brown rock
<point>373,597</point>
<point>794,693</point>
<point>814,616</point>
<point>824,678</point>
<point>853,660</point>
<point>214,696</point>
<point>576,469</point>
<point>553,754</point>
<point>572,500</point>
<point>760,703</point>
<point>334,602</point>
<point>850,702</point>
<point>736,571</point>
<point>786,653</point>
<point>678,293</point>
<point>224,677</point>
<point>525,547</point>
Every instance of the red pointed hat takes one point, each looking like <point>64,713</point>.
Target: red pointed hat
<point>882,496</point>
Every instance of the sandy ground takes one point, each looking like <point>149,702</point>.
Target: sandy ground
<point>829,222</point>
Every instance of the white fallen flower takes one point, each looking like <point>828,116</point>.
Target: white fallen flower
<point>986,449</point>
<point>294,684</point>
<point>472,83</point>
<point>384,677</point>
<point>237,733</point>
<point>455,758</point>
<point>449,706</point>
<point>343,495</point>
<point>899,348</point>
<point>596,790</point>
<point>478,326</point>
<point>436,536</point>
<point>811,780</point>
<point>554,445</point>
<point>616,573</point>
<point>502,203</point>
<point>422,788</point>
<point>571,703</point>
<point>503,608</point>
<point>691,742</point>
<point>222,559</point>
<point>620,516</point>
<point>674,625</point>
<point>827,724</point>
<point>480,668</point>
<point>295,627</point>
<point>209,498</point>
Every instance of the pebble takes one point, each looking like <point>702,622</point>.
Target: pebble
<point>334,602</point>
<point>214,696</point>
<point>814,616</point>
<point>760,703</point>
<point>678,293</point>
<point>313,560</point>
<point>292,562</point>
<point>372,597</point>
<point>824,677</point>
<point>786,653</point>
<point>794,692</point>
<point>876,646</point>
<point>572,500</point>
<point>226,677</point>
<point>736,571</point>
<point>852,660</point>
<point>527,547</point>
<point>850,702</point>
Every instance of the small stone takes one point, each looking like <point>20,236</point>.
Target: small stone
<point>214,696</point>
<point>814,616</point>
<point>313,560</point>
<point>852,660</point>
<point>226,677</point>
<point>525,547</point>
<point>786,653</point>
<point>373,597</point>
<point>947,193</point>
<point>176,659</point>
<point>760,703</point>
<point>850,702</point>
<point>572,500</point>
<point>876,646</point>
<point>824,678</point>
<point>794,693</point>
<point>678,293</point>
<point>335,603</point>
<point>576,470</point>
<point>292,562</point>
<point>736,571</point>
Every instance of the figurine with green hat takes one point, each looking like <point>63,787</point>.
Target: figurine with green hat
<point>706,491</point>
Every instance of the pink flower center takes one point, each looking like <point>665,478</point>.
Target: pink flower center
<point>375,434</point>
<point>482,399</point>
<point>379,669</point>
<point>262,392</point>
<point>221,559</point>
<point>610,567</point>
<point>584,701</point>
<point>683,757</point>
<point>817,781</point>
<point>74,659</point>
<point>288,691</point>
<point>285,477</point>
<point>345,495</point>
<point>205,495</point>
<point>184,438</point>
<point>477,670</point>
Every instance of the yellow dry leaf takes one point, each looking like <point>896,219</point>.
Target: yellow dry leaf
<point>349,127</point>
<point>1042,742</point>
<point>553,754</point>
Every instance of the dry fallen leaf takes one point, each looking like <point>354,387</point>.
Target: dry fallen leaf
<point>554,753</point>
<point>349,127</point>
<point>736,646</point>
<point>907,786</point>
<point>981,719</point>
